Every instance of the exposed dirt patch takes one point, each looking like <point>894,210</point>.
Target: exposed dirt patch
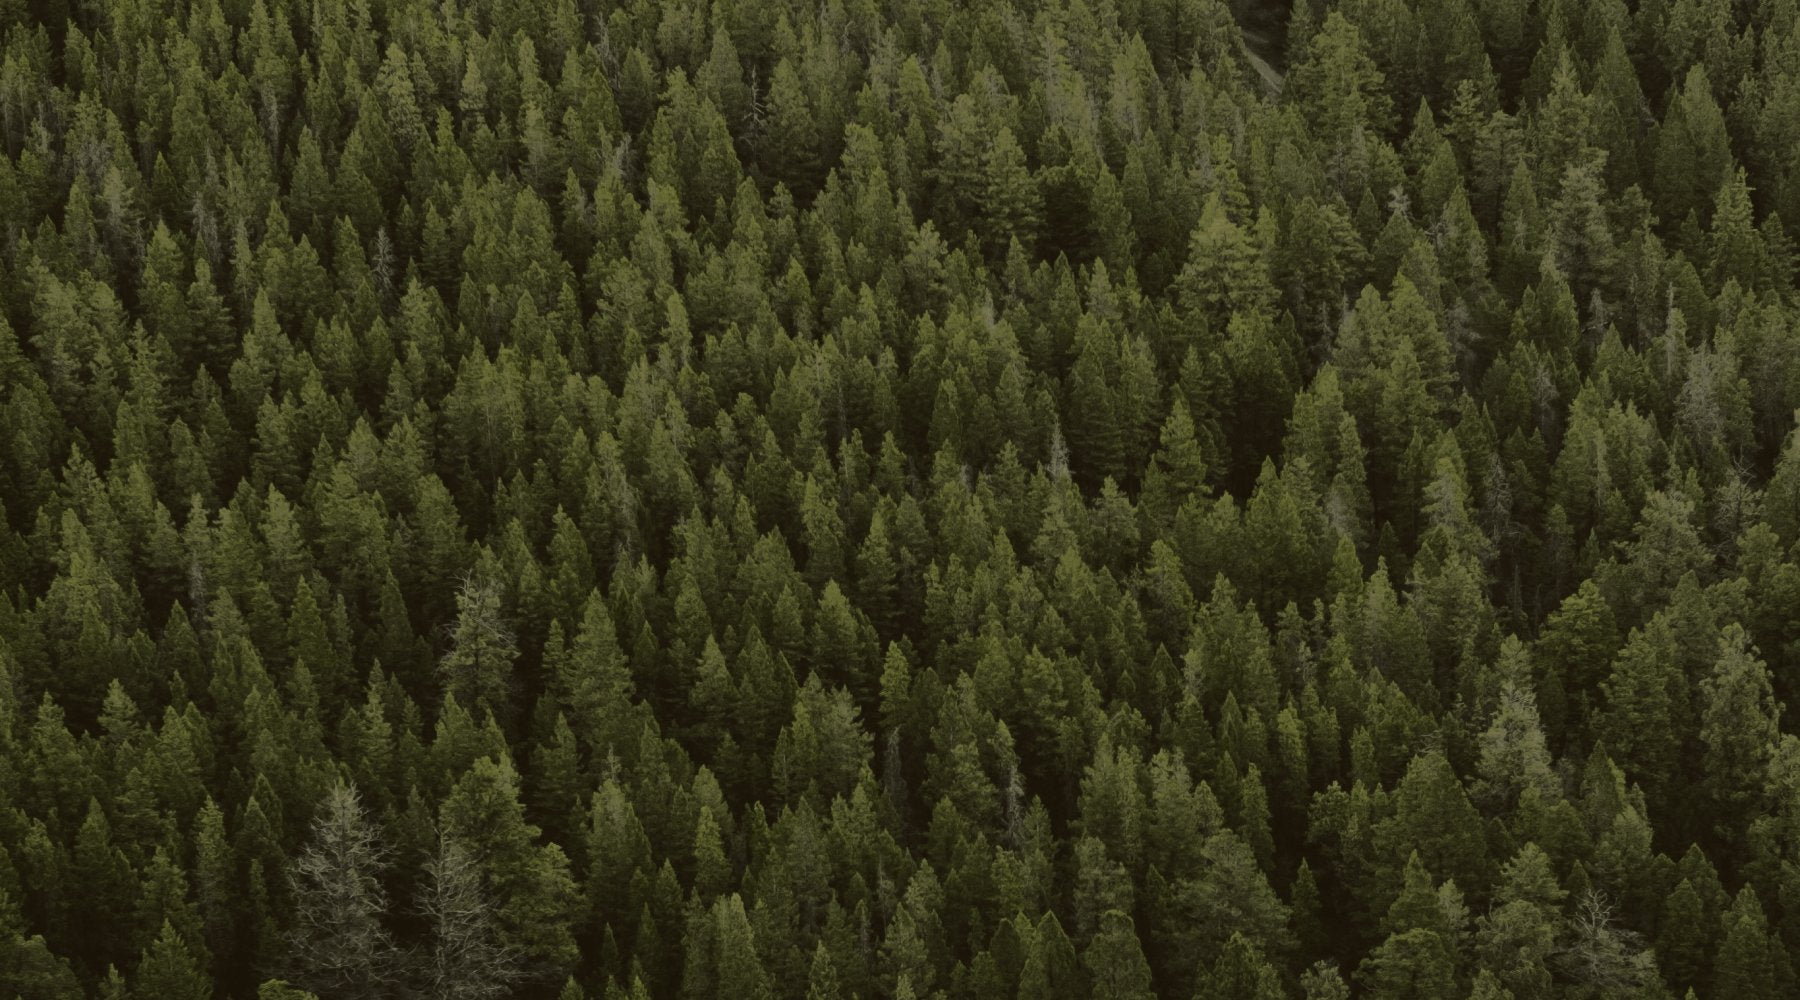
<point>1264,30</point>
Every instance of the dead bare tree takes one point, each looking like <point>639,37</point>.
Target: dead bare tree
<point>468,960</point>
<point>1601,958</point>
<point>339,945</point>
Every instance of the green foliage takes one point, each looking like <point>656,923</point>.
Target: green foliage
<point>1106,499</point>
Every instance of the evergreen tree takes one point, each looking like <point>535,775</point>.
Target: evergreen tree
<point>528,884</point>
<point>477,668</point>
<point>1115,961</point>
<point>1739,726</point>
<point>1693,152</point>
<point>169,968</point>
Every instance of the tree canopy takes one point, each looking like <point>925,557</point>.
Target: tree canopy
<point>869,499</point>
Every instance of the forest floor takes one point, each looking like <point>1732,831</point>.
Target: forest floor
<point>1258,48</point>
<point>1263,25</point>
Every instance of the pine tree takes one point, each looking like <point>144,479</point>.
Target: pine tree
<point>1513,753</point>
<point>1601,956</point>
<point>1226,274</point>
<point>477,668</point>
<point>722,959</point>
<point>1739,725</point>
<point>1011,204</point>
<point>1517,938</point>
<point>529,884</point>
<point>790,135</point>
<point>1240,972</point>
<point>1693,151</point>
<point>1643,698</point>
<point>104,877</point>
<point>468,959</point>
<point>1683,944</point>
<point>168,968</point>
<point>1415,963</point>
<point>340,946</point>
<point>1433,816</point>
<point>1115,962</point>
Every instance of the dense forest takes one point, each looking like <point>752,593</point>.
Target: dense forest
<point>899,499</point>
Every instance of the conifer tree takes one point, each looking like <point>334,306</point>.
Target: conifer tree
<point>341,945</point>
<point>477,668</point>
<point>468,958</point>
<point>169,968</point>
